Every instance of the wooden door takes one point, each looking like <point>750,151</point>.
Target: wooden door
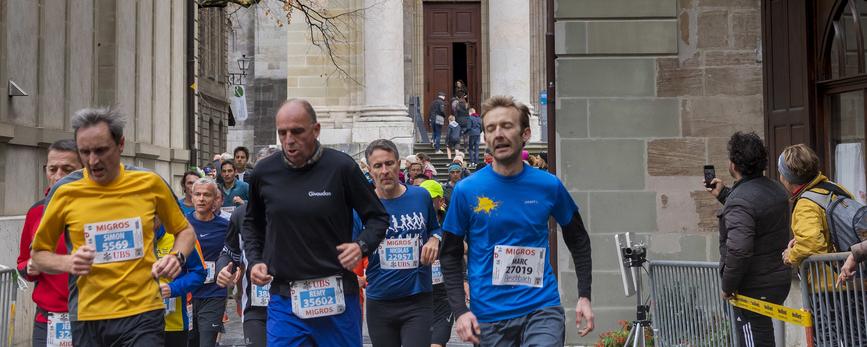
<point>788,77</point>
<point>447,24</point>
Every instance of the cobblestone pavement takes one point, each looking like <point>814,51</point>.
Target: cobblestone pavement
<point>234,335</point>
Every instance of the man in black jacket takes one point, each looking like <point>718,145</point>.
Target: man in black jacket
<point>754,231</point>
<point>298,233</point>
<point>437,116</point>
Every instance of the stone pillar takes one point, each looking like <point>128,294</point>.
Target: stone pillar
<point>384,114</point>
<point>510,53</point>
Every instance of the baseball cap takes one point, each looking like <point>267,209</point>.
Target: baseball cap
<point>433,187</point>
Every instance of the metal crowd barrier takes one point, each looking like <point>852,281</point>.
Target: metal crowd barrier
<point>839,315</point>
<point>8,290</point>
<point>686,307</point>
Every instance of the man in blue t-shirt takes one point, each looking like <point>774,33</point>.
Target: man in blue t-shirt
<point>502,212</point>
<point>399,302</point>
<point>235,192</point>
<point>209,300</point>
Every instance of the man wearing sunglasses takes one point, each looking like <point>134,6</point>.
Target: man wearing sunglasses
<point>51,291</point>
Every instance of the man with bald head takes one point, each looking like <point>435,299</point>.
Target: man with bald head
<point>298,234</point>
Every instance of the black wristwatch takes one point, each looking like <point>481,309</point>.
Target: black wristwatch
<point>363,246</point>
<point>181,258</point>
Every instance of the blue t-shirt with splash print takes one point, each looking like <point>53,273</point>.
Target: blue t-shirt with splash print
<point>411,216</point>
<point>491,210</point>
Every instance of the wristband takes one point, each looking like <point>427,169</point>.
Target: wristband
<point>181,258</point>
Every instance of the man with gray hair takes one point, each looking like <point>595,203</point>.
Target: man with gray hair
<point>298,233</point>
<point>50,292</point>
<point>209,300</point>
<point>106,214</point>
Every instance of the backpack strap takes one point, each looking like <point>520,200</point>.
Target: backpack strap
<point>823,200</point>
<point>833,188</point>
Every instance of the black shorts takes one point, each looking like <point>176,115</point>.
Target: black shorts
<point>144,329</point>
<point>443,319</point>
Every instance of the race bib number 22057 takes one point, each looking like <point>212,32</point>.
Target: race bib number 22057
<point>117,240</point>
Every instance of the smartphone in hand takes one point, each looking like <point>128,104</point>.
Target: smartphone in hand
<point>709,175</point>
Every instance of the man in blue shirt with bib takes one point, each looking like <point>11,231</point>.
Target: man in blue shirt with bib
<point>502,212</point>
<point>399,301</point>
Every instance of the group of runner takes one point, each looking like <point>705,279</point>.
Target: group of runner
<point>310,219</point>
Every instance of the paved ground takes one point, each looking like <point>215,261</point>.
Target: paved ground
<point>235,333</point>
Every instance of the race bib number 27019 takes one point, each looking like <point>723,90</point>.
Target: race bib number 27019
<point>522,266</point>
<point>117,240</point>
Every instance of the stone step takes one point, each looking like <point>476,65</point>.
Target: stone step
<point>441,161</point>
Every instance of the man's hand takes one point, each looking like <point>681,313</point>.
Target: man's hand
<point>31,268</point>
<point>787,251</point>
<point>259,274</point>
<point>847,270</point>
<point>349,255</point>
<point>467,328</point>
<point>717,188</point>
<point>726,296</point>
<point>82,260</point>
<point>168,267</point>
<point>165,291</point>
<point>237,200</point>
<point>583,311</point>
<point>227,279</point>
<point>430,251</point>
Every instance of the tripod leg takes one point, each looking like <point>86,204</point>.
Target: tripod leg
<point>637,336</point>
<point>631,334</point>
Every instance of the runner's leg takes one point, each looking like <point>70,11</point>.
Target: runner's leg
<point>347,324</point>
<point>254,332</point>
<point>177,338</point>
<point>506,333</point>
<point>383,324</point>
<point>545,327</point>
<point>210,314</point>
<point>286,329</point>
<point>415,330</point>
<point>141,330</point>
<point>40,334</point>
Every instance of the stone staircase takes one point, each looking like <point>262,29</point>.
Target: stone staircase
<point>441,161</point>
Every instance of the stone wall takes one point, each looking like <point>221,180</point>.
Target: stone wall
<point>648,93</point>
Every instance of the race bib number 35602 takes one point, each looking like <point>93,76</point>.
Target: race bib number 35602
<point>117,240</point>
<point>59,330</point>
<point>522,266</point>
<point>319,297</point>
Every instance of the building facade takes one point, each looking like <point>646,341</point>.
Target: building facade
<point>133,55</point>
<point>387,52</point>
<point>647,92</point>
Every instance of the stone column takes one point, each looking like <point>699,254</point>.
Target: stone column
<point>384,114</point>
<point>509,21</point>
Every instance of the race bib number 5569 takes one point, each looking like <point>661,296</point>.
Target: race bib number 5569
<point>117,240</point>
<point>515,265</point>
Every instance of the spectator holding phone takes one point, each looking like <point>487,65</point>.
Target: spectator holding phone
<point>754,231</point>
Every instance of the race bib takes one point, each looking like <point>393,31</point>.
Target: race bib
<point>212,271</point>
<point>522,266</point>
<point>260,295</point>
<point>226,212</point>
<point>320,297</point>
<point>190,314</point>
<point>118,240</point>
<point>436,272</point>
<point>171,304</point>
<point>59,330</point>
<point>398,254</point>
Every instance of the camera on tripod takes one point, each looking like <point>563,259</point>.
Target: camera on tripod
<point>631,256</point>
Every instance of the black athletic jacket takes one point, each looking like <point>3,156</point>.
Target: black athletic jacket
<point>296,217</point>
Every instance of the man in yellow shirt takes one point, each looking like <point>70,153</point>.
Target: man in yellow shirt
<point>106,214</point>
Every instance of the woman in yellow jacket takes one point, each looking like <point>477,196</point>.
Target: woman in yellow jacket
<point>799,173</point>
